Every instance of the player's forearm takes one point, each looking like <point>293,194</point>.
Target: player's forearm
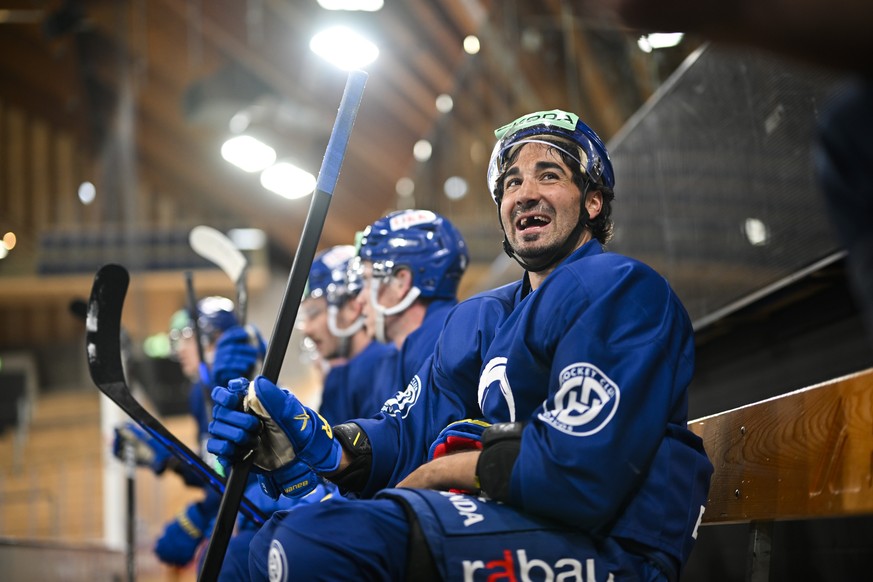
<point>456,471</point>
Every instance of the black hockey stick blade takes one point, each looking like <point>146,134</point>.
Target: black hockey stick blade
<point>103,346</point>
<point>327,179</point>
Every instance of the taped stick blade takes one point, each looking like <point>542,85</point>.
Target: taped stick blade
<point>214,246</point>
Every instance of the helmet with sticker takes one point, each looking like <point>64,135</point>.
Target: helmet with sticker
<point>424,242</point>
<point>215,315</point>
<point>329,277</point>
<point>551,127</point>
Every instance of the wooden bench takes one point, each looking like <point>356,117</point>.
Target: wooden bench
<point>802,455</point>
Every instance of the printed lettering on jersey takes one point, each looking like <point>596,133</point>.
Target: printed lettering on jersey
<point>585,402</point>
<point>407,219</point>
<point>277,563</point>
<point>400,403</point>
<point>494,376</point>
<point>466,507</point>
<point>518,566</point>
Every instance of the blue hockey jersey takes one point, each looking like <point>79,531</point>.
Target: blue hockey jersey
<point>354,389</point>
<point>597,363</point>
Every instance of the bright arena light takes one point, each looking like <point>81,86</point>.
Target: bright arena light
<point>247,153</point>
<point>455,188</point>
<point>87,193</point>
<point>287,180</point>
<point>422,150</point>
<point>344,48</point>
<point>361,5</point>
<point>404,187</point>
<point>659,40</point>
<point>471,45</point>
<point>444,103</point>
<point>9,241</point>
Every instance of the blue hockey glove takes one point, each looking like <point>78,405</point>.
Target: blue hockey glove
<point>237,352</point>
<point>294,480</point>
<point>463,435</point>
<point>147,450</point>
<point>181,537</point>
<point>288,422</point>
<point>234,433</point>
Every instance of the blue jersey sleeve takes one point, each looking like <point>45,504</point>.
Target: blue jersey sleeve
<point>617,350</point>
<point>443,390</point>
<point>359,387</point>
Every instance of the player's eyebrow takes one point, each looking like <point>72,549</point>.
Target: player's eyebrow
<point>540,166</point>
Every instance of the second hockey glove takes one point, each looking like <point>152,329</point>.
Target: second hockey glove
<point>237,352</point>
<point>180,539</point>
<point>147,450</point>
<point>462,435</point>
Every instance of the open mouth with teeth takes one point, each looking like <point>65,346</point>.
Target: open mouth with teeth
<point>532,222</point>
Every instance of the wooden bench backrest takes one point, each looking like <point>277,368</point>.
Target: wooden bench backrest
<point>808,453</point>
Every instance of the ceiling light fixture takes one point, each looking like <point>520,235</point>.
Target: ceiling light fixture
<point>422,150</point>
<point>287,180</point>
<point>247,153</point>
<point>659,40</point>
<point>444,103</point>
<point>344,48</point>
<point>248,239</point>
<point>362,5</point>
<point>471,45</point>
<point>87,193</point>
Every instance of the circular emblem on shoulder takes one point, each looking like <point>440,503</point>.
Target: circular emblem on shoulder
<point>585,402</point>
<point>277,563</point>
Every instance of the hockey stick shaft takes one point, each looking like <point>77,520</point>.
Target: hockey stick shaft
<point>194,316</point>
<point>309,237</point>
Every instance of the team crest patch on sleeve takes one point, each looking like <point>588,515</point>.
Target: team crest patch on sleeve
<point>585,402</point>
<point>277,563</point>
<point>400,403</point>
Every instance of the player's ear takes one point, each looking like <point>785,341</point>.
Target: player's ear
<point>594,203</point>
<point>403,278</point>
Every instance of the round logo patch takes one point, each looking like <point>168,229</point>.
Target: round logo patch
<point>585,402</point>
<point>277,563</point>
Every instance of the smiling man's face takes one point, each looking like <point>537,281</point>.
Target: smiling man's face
<point>540,205</point>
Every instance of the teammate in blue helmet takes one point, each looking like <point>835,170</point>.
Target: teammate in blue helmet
<point>407,260</point>
<point>546,437</point>
<point>329,318</point>
<point>333,321</point>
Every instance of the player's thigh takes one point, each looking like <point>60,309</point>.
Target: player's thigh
<point>333,540</point>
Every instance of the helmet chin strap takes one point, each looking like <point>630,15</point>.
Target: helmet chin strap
<point>345,332</point>
<point>560,254</point>
<point>382,311</point>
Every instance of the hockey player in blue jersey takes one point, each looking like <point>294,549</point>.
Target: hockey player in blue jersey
<point>565,395</point>
<point>410,264</point>
<point>333,321</point>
